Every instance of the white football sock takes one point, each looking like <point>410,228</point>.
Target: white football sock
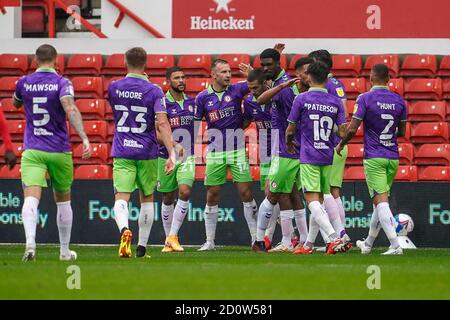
<point>250,214</point>
<point>374,229</point>
<point>332,209</point>
<point>321,217</point>
<point>64,218</point>
<point>324,236</point>
<point>167,217</point>
<point>29,218</point>
<point>146,217</point>
<point>312,234</point>
<point>387,223</point>
<point>211,222</point>
<point>341,212</point>
<point>180,212</point>
<point>273,222</point>
<point>121,212</point>
<point>302,226</point>
<point>265,213</point>
<point>287,228</point>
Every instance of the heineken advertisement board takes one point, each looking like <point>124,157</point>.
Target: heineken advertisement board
<point>427,203</point>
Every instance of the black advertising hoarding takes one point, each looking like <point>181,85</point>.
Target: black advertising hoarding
<point>427,203</point>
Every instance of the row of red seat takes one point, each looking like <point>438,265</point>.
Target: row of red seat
<point>410,89</point>
<point>101,131</point>
<point>354,173</point>
<point>346,65</point>
<point>98,109</point>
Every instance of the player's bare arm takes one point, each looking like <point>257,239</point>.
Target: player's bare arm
<point>401,129</point>
<point>76,121</point>
<point>16,102</point>
<point>290,133</point>
<point>165,134</point>
<point>348,134</point>
<point>266,96</point>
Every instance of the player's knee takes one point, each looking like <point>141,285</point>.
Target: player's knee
<point>246,194</point>
<point>184,193</point>
<point>168,199</point>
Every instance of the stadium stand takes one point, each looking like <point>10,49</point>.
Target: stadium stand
<point>235,60</point>
<point>157,64</point>
<point>346,65</point>
<point>433,173</point>
<point>419,65</point>
<point>195,64</point>
<point>13,64</point>
<point>84,64</point>
<point>10,111</point>
<point>7,86</point>
<point>391,60</point>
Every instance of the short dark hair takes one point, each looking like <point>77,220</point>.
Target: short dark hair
<point>270,53</point>
<point>136,57</point>
<point>323,56</point>
<point>381,72</point>
<point>172,70</point>
<point>256,75</point>
<point>46,53</point>
<point>318,72</point>
<point>302,61</point>
<point>217,62</point>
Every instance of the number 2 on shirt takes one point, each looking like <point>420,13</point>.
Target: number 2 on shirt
<point>139,118</point>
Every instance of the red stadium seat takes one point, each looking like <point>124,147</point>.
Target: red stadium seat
<point>447,117</point>
<point>350,106</point>
<point>444,68</point>
<point>354,173</point>
<point>283,62</point>
<point>196,85</point>
<point>419,65</point>
<point>10,111</point>
<point>433,154</point>
<point>91,109</point>
<point>234,60</point>
<point>17,149</point>
<point>195,64</point>
<point>446,89</point>
<point>427,111</point>
<point>110,130</point>
<point>294,59</point>
<point>430,132</point>
<point>354,86</point>
<point>200,173</point>
<point>16,129</point>
<point>8,86</point>
<point>162,82</point>
<point>106,82</point>
<point>84,64</point>
<point>423,89</point>
<point>108,111</point>
<point>406,153</point>
<point>157,64</point>
<point>97,131</point>
<point>93,172</point>
<point>346,65</point>
<point>252,153</point>
<point>406,173</point>
<point>355,154</point>
<point>33,20</point>
<point>434,174</point>
<point>5,173</point>
<point>100,154</point>
<point>115,65</point>
<point>397,86</point>
<point>60,66</point>
<point>391,60</point>
<point>407,136</point>
<point>88,87</point>
<point>13,64</point>
<point>255,172</point>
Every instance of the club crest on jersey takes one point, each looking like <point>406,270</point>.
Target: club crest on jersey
<point>355,108</point>
<point>340,92</point>
<point>227,98</point>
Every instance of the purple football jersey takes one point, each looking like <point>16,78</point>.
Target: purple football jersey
<point>316,112</point>
<point>262,116</point>
<point>46,127</point>
<point>381,110</point>
<point>336,88</point>
<point>224,116</point>
<point>181,119</point>
<point>135,102</point>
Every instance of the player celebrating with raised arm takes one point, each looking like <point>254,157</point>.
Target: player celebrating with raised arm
<point>220,105</point>
<point>48,98</point>
<point>180,111</point>
<point>382,112</point>
<point>136,102</point>
<point>332,201</point>
<point>316,112</point>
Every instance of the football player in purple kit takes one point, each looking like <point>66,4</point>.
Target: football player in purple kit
<point>220,105</point>
<point>48,98</point>
<point>316,113</point>
<point>136,102</point>
<point>384,115</point>
<point>180,111</point>
<point>332,201</point>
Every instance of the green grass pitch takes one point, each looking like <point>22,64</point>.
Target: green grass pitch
<point>227,273</point>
